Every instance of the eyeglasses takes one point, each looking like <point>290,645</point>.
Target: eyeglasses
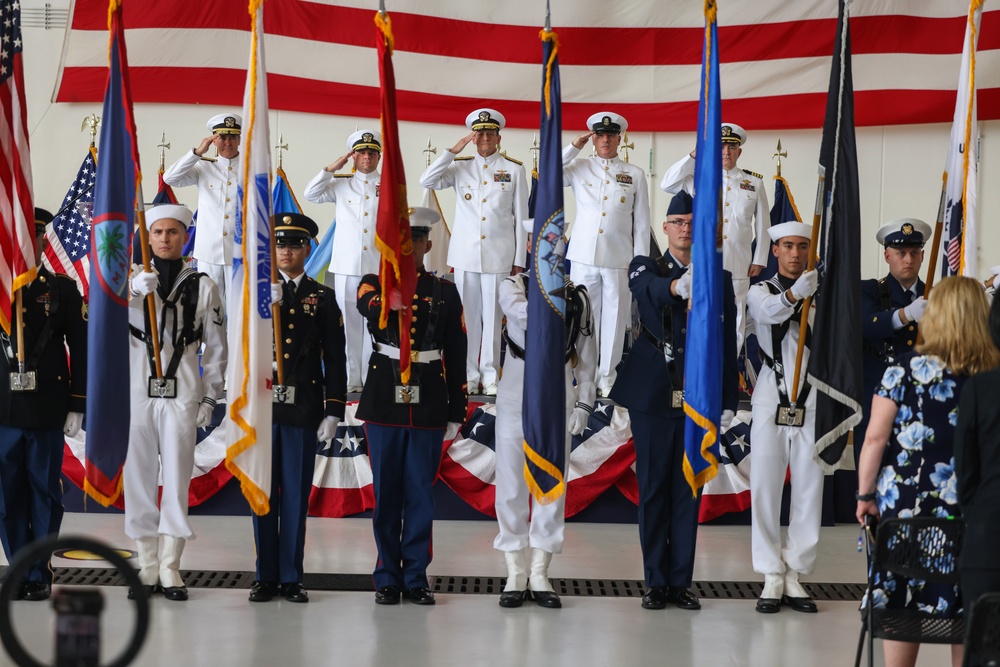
<point>681,223</point>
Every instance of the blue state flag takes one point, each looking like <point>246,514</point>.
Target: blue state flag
<point>544,414</point>
<point>111,242</point>
<point>704,357</point>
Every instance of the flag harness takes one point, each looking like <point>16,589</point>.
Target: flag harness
<point>26,380</point>
<point>788,414</point>
<point>409,394</point>
<point>578,311</point>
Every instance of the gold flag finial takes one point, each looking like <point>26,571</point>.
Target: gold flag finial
<point>626,146</point>
<point>281,148</point>
<point>430,150</point>
<point>780,154</point>
<point>92,121</point>
<point>534,151</point>
<point>164,147</point>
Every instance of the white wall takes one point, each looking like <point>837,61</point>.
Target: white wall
<point>900,166</point>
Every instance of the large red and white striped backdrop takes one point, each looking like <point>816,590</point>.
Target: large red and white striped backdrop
<point>639,57</point>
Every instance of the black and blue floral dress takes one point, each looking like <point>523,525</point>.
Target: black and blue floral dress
<point>918,470</point>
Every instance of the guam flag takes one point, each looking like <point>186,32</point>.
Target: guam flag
<point>703,361</point>
<point>544,410</point>
<point>111,239</point>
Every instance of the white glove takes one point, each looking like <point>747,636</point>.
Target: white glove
<point>577,423</point>
<point>327,429</point>
<point>395,299</point>
<point>916,309</point>
<point>683,284</point>
<point>204,415</point>
<point>144,282</point>
<point>805,286</point>
<point>276,293</point>
<point>74,420</point>
<point>451,430</point>
<point>726,420</point>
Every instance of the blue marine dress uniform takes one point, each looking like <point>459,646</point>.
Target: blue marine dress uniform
<point>312,337</point>
<point>884,335</point>
<point>32,422</point>
<point>405,439</point>
<point>646,385</point>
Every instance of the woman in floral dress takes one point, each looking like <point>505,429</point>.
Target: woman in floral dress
<point>907,466</point>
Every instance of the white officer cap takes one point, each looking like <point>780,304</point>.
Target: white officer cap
<point>607,122</point>
<point>422,219</point>
<point>178,212</point>
<point>225,123</point>
<point>485,119</point>
<point>365,139</point>
<point>792,228</point>
<point>733,134</point>
<point>904,233</point>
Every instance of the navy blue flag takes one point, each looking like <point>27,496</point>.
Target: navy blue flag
<point>782,210</point>
<point>544,411</point>
<point>835,353</point>
<point>703,360</point>
<point>107,344</point>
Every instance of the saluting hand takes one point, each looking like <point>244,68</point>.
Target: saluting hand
<point>339,163</point>
<point>462,143</point>
<point>582,140</point>
<point>205,144</point>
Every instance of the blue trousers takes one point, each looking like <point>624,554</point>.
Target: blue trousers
<point>280,535</point>
<point>405,464</point>
<point>668,512</point>
<point>30,490</point>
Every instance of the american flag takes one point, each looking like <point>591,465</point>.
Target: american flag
<point>68,251</point>
<point>17,233</point>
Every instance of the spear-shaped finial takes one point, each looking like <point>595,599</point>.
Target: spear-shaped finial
<point>534,151</point>
<point>548,17</point>
<point>429,151</point>
<point>780,154</point>
<point>281,148</point>
<point>163,146</point>
<point>626,146</point>
<point>92,121</point>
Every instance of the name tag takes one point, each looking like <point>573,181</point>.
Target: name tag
<point>162,388</point>
<point>23,381</point>
<point>283,394</point>
<point>790,416</point>
<point>407,395</point>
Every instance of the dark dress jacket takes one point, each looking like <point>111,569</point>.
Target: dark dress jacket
<point>881,341</point>
<point>977,469</point>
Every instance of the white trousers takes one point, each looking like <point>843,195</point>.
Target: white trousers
<point>545,529</point>
<point>744,326</point>
<point>480,294</point>
<point>775,449</point>
<point>222,276</point>
<point>161,434</point>
<point>359,343</point>
<point>612,303</point>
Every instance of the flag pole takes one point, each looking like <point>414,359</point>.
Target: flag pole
<point>154,334</point>
<point>18,304</point>
<point>936,245</point>
<point>276,314</point>
<point>804,320</point>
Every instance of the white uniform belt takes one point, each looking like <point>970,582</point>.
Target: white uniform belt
<point>418,356</point>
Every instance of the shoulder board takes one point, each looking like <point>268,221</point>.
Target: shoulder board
<point>205,158</point>
<point>343,175</point>
<point>464,157</point>
<point>753,173</point>
<point>510,159</point>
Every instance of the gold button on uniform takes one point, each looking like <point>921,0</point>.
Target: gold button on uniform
<point>484,235</point>
<point>286,355</point>
<point>413,331</point>
<point>288,341</point>
<point>291,326</point>
<point>415,307</point>
<point>291,311</point>
<point>605,197</point>
<point>600,231</point>
<point>603,214</point>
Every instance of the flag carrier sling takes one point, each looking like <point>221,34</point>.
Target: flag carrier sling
<point>409,394</point>
<point>24,378</point>
<point>789,414</point>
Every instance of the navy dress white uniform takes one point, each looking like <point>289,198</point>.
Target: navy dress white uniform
<point>354,254</point>
<point>405,438</point>
<point>775,306</point>
<point>650,384</point>
<point>163,427</point>
<point>33,423</point>
<point>612,226</point>
<point>745,216</point>
<point>487,237</point>
<point>312,351</point>
<point>885,303</point>
<point>524,524</point>
<point>217,180</point>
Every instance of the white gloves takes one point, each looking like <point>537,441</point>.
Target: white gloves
<point>451,431</point>
<point>144,282</point>
<point>276,293</point>
<point>395,299</point>
<point>805,286</point>
<point>683,285</point>
<point>327,429</point>
<point>577,423</point>
<point>916,309</point>
<point>74,420</point>
<point>204,415</point>
<point>726,420</point>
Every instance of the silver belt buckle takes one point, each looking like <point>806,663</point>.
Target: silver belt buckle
<point>23,381</point>
<point>790,416</point>
<point>284,394</point>
<point>162,388</point>
<point>407,395</point>
<point>677,398</point>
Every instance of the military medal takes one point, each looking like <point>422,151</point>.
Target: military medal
<point>624,179</point>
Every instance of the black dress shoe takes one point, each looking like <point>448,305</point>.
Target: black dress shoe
<point>37,591</point>
<point>768,605</point>
<point>655,598</point>
<point>135,591</point>
<point>683,598</point>
<point>805,605</point>
<point>421,596</point>
<point>175,593</point>
<point>295,592</point>
<point>512,599</point>
<point>547,599</point>
<point>387,595</point>
<point>263,591</point>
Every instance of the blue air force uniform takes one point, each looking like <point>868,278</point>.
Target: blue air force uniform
<point>668,513</point>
